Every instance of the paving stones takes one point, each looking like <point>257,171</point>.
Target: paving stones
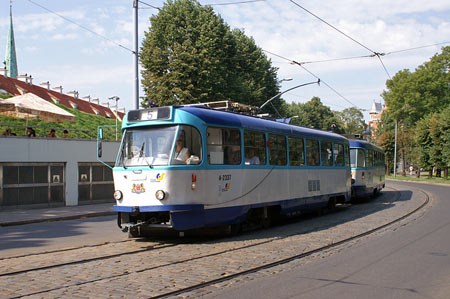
<point>163,269</point>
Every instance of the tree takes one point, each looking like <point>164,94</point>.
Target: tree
<point>410,96</point>
<point>190,55</point>
<point>314,114</point>
<point>385,138</point>
<point>353,120</point>
<point>257,78</point>
<point>424,143</point>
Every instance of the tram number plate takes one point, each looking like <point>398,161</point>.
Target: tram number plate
<point>224,177</point>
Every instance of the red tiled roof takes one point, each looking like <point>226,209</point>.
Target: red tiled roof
<point>17,87</point>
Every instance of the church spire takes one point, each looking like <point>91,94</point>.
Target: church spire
<point>10,58</point>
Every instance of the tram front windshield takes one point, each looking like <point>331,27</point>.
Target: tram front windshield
<point>147,146</point>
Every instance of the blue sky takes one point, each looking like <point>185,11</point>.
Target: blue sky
<point>52,49</point>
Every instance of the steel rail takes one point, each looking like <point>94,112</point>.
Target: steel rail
<point>295,257</point>
<point>214,281</point>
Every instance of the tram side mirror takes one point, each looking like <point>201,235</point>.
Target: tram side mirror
<point>99,142</point>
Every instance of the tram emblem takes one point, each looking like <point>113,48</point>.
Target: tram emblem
<point>159,177</point>
<point>226,187</point>
<point>138,188</point>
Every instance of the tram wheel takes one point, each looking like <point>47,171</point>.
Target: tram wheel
<point>332,204</point>
<point>133,233</point>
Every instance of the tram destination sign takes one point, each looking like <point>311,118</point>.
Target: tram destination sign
<point>158,113</point>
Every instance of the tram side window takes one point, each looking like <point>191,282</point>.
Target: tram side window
<point>326,150</point>
<point>277,150</point>
<point>312,152</point>
<point>296,151</point>
<point>224,146</point>
<point>360,158</point>
<point>347,155</point>
<point>188,146</point>
<point>353,158</point>
<point>370,158</point>
<point>339,154</point>
<point>376,159</point>
<point>254,147</point>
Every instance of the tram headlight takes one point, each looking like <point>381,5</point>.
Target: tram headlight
<point>118,195</point>
<point>160,195</point>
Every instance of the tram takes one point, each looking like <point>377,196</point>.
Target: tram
<point>181,168</point>
<point>368,168</point>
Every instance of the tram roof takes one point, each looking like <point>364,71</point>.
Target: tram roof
<point>364,144</point>
<point>230,119</point>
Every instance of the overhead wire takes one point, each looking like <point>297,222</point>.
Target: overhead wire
<point>416,48</point>
<point>315,76</point>
<point>151,6</point>
<point>346,35</point>
<point>233,3</point>
<point>81,26</point>
<point>373,55</point>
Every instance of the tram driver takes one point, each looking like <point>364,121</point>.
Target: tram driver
<point>181,153</point>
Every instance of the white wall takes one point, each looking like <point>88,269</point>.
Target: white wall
<point>68,151</point>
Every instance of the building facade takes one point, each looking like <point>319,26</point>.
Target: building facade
<point>48,172</point>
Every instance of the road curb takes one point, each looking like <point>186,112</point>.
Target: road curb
<point>418,182</point>
<point>54,219</point>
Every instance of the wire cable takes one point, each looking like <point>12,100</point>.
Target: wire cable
<point>343,33</point>
<point>416,48</point>
<point>151,6</point>
<point>315,76</point>
<point>81,26</point>
<point>346,35</point>
<point>232,3</point>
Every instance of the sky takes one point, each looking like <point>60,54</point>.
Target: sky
<point>50,48</point>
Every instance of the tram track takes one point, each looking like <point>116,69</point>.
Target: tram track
<point>174,263</point>
<point>292,258</point>
<point>61,250</point>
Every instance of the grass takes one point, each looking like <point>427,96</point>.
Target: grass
<point>423,178</point>
<point>85,126</point>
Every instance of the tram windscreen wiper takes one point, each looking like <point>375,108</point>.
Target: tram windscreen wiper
<point>141,155</point>
<point>122,153</point>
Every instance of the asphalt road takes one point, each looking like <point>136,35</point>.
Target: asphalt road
<point>412,261</point>
<point>40,237</point>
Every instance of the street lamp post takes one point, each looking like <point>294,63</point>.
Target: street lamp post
<point>116,98</point>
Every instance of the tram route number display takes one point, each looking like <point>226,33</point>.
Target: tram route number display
<point>224,177</point>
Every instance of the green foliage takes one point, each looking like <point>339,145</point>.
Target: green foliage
<point>410,96</point>
<point>5,96</point>
<point>353,120</point>
<point>314,114</point>
<point>85,125</point>
<point>415,100</point>
<point>190,55</point>
<point>385,138</point>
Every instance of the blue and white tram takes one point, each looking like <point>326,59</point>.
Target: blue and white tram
<point>368,168</point>
<point>189,167</point>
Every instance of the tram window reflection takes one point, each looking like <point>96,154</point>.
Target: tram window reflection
<point>296,151</point>
<point>254,147</point>
<point>224,146</point>
<point>312,152</point>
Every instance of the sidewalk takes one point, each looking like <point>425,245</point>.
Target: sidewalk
<point>19,217</point>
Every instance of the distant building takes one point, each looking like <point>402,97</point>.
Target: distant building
<point>375,117</point>
<point>14,84</point>
<point>55,95</point>
<point>10,57</point>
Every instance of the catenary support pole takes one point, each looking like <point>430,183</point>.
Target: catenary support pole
<point>135,55</point>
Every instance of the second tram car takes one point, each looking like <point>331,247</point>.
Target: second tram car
<point>189,167</point>
<point>368,168</point>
